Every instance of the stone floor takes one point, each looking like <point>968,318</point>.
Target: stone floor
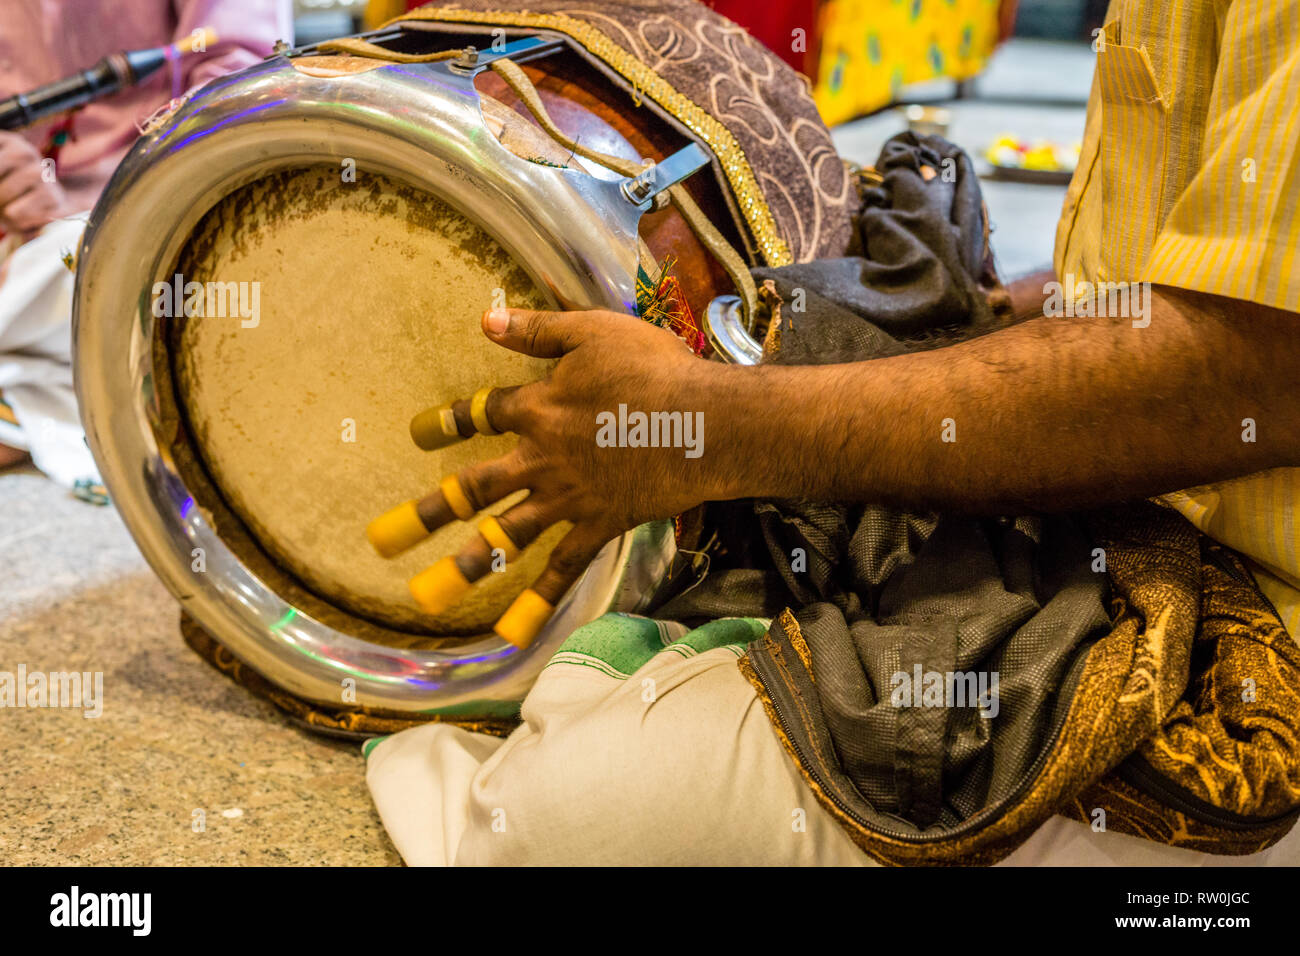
<point>174,737</point>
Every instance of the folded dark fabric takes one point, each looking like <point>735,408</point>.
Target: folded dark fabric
<point>917,263</point>
<point>947,683</point>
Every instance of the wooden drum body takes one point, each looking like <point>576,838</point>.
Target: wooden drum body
<point>363,220</point>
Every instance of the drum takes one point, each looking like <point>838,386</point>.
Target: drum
<point>285,270</point>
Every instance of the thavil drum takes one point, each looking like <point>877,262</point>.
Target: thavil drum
<point>285,269</point>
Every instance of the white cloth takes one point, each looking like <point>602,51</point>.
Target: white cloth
<point>36,354</point>
<point>599,774</point>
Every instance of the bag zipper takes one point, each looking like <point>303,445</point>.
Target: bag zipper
<point>1139,774</point>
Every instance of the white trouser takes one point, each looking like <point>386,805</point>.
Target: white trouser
<point>598,775</point>
<point>36,353</point>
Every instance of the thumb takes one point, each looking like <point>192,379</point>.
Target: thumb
<point>543,334</point>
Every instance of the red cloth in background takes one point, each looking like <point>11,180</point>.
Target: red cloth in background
<point>773,22</point>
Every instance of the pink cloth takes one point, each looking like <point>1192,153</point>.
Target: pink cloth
<point>46,40</point>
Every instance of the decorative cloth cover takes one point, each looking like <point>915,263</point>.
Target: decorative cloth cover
<point>789,189</point>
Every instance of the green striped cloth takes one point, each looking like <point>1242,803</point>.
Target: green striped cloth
<point>619,644</point>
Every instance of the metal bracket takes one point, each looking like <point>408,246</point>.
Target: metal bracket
<point>641,190</point>
<point>521,51</point>
<point>724,324</point>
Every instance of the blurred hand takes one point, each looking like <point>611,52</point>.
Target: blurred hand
<point>27,200</point>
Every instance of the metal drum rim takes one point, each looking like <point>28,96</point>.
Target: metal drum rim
<point>401,121</point>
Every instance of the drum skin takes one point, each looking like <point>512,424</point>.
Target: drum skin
<point>369,298</point>
<point>296,420</point>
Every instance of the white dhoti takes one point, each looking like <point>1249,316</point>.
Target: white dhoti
<point>36,354</point>
<point>669,762</point>
<point>643,743</point>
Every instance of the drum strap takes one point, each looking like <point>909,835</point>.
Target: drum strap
<point>704,230</point>
<point>362,48</point>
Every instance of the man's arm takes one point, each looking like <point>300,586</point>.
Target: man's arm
<point>1049,414</point>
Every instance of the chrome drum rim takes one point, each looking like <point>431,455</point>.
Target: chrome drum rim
<point>419,123</point>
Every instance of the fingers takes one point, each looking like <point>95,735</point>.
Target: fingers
<point>462,496</point>
<point>569,559</point>
<point>16,153</point>
<point>458,497</point>
<point>27,201</point>
<point>31,211</point>
<point>489,411</point>
<point>525,618</point>
<point>18,182</point>
<point>543,334</point>
<point>499,540</point>
<point>502,538</point>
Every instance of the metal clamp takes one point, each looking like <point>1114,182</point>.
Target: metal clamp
<point>724,326</point>
<point>641,190</point>
<point>475,61</point>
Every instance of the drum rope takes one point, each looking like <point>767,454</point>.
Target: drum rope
<point>704,230</point>
<point>362,48</point>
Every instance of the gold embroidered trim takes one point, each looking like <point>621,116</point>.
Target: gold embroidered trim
<point>795,636</point>
<point>735,166</point>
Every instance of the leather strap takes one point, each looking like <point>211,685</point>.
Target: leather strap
<point>364,48</point>
<point>704,230</point>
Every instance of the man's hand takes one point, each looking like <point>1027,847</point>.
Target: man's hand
<point>1047,415</point>
<point>27,201</point>
<point>605,360</point>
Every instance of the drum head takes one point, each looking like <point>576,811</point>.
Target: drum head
<point>360,305</point>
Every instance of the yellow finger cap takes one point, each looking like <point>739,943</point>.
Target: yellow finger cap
<point>455,497</point>
<point>524,619</point>
<point>439,586</point>
<point>396,530</point>
<point>496,537</point>
<point>435,428</point>
<point>478,412</point>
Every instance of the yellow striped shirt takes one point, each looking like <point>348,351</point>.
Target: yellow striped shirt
<point>1190,177</point>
